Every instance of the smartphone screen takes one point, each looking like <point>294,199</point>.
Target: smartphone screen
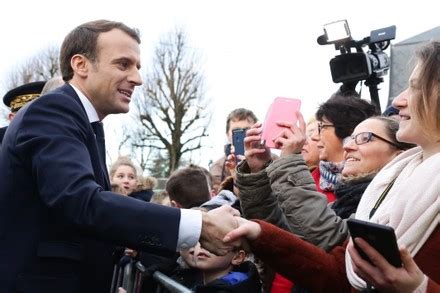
<point>238,136</point>
<point>282,109</point>
<point>381,237</point>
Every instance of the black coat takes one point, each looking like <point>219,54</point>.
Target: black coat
<point>2,133</point>
<point>144,195</point>
<point>58,222</point>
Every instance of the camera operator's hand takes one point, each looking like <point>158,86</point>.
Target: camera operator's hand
<point>257,155</point>
<point>293,137</point>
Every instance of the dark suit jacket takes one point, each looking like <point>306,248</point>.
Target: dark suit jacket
<point>2,133</point>
<point>58,225</point>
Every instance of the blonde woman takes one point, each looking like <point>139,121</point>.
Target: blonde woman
<point>403,195</point>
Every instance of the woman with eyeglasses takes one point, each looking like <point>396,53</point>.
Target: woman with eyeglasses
<point>283,192</point>
<point>336,120</point>
<point>403,195</point>
<point>371,146</point>
<point>310,154</point>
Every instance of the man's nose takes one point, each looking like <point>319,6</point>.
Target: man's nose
<point>135,77</point>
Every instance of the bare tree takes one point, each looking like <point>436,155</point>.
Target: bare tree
<point>42,66</point>
<point>138,146</point>
<point>171,108</point>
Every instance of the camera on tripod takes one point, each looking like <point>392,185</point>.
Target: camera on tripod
<point>355,66</point>
<point>351,67</point>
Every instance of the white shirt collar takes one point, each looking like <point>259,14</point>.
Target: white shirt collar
<point>90,110</point>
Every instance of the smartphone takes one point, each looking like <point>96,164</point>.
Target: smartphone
<point>227,149</point>
<point>381,237</point>
<point>281,109</point>
<point>238,136</point>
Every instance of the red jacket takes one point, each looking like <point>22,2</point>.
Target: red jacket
<point>319,271</point>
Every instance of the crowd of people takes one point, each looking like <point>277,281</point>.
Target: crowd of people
<point>254,223</point>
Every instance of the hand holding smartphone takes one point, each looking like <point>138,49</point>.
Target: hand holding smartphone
<point>238,136</point>
<point>282,109</point>
<point>227,149</point>
<point>380,237</point>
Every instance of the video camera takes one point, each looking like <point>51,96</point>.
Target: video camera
<point>352,67</point>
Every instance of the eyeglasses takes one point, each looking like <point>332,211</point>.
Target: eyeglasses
<point>321,125</point>
<point>364,137</point>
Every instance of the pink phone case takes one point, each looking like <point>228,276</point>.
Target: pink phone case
<point>281,109</point>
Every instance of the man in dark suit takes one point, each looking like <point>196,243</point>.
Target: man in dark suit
<point>17,97</point>
<point>58,221</point>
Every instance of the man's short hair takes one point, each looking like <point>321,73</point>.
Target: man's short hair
<point>83,40</point>
<point>208,175</point>
<point>239,115</point>
<point>188,187</point>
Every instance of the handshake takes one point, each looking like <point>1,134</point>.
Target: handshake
<point>223,229</point>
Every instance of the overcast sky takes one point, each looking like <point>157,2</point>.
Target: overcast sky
<point>253,51</point>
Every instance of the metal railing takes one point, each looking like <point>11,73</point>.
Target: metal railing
<point>129,274</point>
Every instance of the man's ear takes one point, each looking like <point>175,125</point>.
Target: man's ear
<point>10,116</point>
<point>238,258</point>
<point>175,204</point>
<point>80,64</point>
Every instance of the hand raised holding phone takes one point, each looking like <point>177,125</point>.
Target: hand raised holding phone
<point>256,154</point>
<point>292,137</point>
<point>284,126</point>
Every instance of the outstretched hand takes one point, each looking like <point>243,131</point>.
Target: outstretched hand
<point>382,275</point>
<point>246,229</point>
<point>215,225</point>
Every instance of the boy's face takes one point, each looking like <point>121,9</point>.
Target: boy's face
<point>199,258</point>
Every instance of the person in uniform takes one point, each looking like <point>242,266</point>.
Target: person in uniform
<point>18,97</point>
<point>59,222</point>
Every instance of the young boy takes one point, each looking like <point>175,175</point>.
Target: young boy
<point>228,273</point>
<point>188,187</point>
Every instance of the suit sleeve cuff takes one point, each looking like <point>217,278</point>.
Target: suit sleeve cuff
<point>190,227</point>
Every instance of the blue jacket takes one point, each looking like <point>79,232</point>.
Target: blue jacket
<point>58,221</point>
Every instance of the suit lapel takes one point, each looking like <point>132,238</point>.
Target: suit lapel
<point>103,173</point>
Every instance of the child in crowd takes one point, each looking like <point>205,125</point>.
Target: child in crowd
<point>123,176</point>
<point>228,273</point>
<point>188,187</point>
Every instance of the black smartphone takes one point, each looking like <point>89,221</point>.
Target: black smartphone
<point>238,136</point>
<point>227,149</point>
<point>381,237</point>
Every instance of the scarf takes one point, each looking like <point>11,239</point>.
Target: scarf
<point>330,174</point>
<point>348,194</point>
<point>411,206</point>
